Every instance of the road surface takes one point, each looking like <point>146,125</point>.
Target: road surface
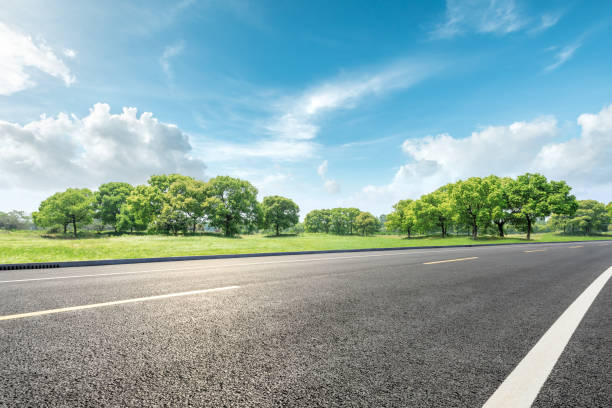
<point>422,328</point>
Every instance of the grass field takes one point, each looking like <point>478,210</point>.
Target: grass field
<point>34,246</point>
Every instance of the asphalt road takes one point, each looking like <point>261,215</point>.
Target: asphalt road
<point>356,329</point>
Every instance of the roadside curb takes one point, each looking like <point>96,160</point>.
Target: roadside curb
<point>69,264</point>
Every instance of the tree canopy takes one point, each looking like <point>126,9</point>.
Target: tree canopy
<point>279,213</point>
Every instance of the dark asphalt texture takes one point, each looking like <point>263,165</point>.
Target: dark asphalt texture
<point>365,329</point>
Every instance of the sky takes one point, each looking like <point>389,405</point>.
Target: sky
<point>341,103</point>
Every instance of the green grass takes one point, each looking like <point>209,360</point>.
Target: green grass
<point>33,246</point>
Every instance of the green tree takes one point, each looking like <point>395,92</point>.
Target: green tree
<point>15,220</point>
<point>469,200</point>
<point>230,203</point>
<point>72,206</point>
<point>497,202</point>
<point>187,196</point>
<point>366,223</point>
<point>351,217</point>
<point>590,216</point>
<point>318,221</point>
<point>339,221</point>
<point>403,218</point>
<point>531,197</point>
<point>279,213</point>
<point>109,199</point>
<point>434,210</point>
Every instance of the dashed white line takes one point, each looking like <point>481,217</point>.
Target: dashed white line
<point>522,386</point>
<point>112,303</point>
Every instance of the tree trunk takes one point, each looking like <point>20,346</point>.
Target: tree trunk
<point>194,226</point>
<point>74,226</point>
<point>408,234</point>
<point>474,231</point>
<point>227,231</point>
<point>65,228</point>
<point>277,231</point>
<point>528,228</point>
<point>500,227</point>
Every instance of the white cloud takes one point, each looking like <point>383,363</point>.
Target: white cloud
<point>332,186</point>
<point>18,52</point>
<point>535,146</point>
<point>547,20</point>
<point>70,53</point>
<point>62,151</point>
<point>289,134</point>
<point>169,52</point>
<point>490,17</point>
<point>481,16</point>
<point>563,56</point>
<point>322,169</point>
<point>299,116</point>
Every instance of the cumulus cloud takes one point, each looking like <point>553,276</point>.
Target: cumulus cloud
<point>57,152</point>
<point>535,146</point>
<point>70,53</point>
<point>19,53</point>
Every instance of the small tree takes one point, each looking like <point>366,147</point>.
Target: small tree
<point>402,219</point>
<point>109,199</point>
<point>279,213</point>
<point>366,223</point>
<point>230,203</point>
<point>72,206</point>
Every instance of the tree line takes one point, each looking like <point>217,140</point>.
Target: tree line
<point>342,221</point>
<point>173,203</point>
<point>491,203</point>
<point>170,203</point>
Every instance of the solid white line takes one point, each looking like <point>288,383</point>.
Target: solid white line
<point>523,384</point>
<point>115,302</point>
<point>536,250</point>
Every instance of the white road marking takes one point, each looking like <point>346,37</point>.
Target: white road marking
<point>523,384</point>
<point>450,260</point>
<point>115,302</point>
<point>576,246</point>
<point>536,250</point>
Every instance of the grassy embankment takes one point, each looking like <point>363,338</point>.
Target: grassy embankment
<point>34,246</point>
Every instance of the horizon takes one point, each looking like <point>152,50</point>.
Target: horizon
<point>331,105</point>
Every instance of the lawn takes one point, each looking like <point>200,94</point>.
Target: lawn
<point>34,246</point>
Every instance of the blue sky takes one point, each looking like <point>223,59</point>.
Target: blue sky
<point>330,103</point>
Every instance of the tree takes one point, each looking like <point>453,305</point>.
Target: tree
<point>339,221</point>
<point>469,200</point>
<point>351,217</point>
<point>531,196</point>
<point>72,206</point>
<point>109,199</point>
<point>15,220</point>
<point>434,210</point>
<point>590,216</point>
<point>318,221</point>
<point>187,196</point>
<point>403,218</point>
<point>230,203</point>
<point>366,223</point>
<point>279,212</point>
<point>497,202</point>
